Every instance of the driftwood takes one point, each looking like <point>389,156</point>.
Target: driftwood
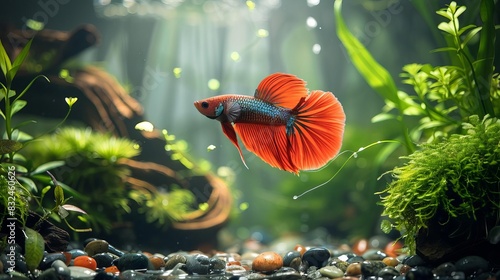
<point>104,105</point>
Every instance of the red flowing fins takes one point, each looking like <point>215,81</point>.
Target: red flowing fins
<point>314,135</point>
<point>317,131</point>
<point>284,90</point>
<point>228,130</point>
<point>269,142</point>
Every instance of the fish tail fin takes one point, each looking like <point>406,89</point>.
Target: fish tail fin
<point>316,130</point>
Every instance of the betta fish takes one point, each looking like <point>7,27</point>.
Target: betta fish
<point>284,124</point>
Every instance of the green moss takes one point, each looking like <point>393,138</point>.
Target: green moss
<point>459,175</point>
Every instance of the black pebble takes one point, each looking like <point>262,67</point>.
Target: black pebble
<point>419,273</point>
<point>444,269</point>
<point>103,259</point>
<point>217,265</point>
<point>472,264</point>
<point>317,257</point>
<point>371,268</point>
<point>49,259</point>
<point>414,261</point>
<point>198,264</point>
<point>132,261</point>
<point>388,273</point>
<point>289,257</point>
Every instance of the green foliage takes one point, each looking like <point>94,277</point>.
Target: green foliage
<point>91,165</point>
<point>94,164</point>
<point>33,248</point>
<point>162,207</point>
<point>458,174</point>
<point>18,177</point>
<point>457,170</point>
<point>443,96</point>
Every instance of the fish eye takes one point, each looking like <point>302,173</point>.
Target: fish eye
<point>204,104</point>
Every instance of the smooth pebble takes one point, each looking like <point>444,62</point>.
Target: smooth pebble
<point>128,261</point>
<point>331,272</point>
<point>267,261</point>
<point>471,264</point>
<point>96,246</point>
<point>317,257</point>
<point>83,273</point>
<point>354,269</point>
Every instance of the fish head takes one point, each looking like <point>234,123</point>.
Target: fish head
<point>212,107</point>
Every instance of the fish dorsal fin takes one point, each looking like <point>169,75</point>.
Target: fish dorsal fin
<point>281,89</point>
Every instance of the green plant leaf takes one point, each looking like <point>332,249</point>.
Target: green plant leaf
<point>375,75</point>
<point>33,248</point>
<point>444,13</point>
<point>48,166</point>
<point>17,62</point>
<point>386,226</point>
<point>5,64</point>
<point>19,168</point>
<point>69,190</point>
<point>44,191</point>
<point>383,117</point>
<point>444,49</point>
<point>470,35</point>
<point>17,106</point>
<point>23,124</point>
<point>29,183</point>
<point>30,84</point>
<point>59,195</point>
<point>9,146</point>
<point>447,27</point>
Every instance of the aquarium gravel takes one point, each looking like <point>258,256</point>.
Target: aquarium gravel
<point>97,259</point>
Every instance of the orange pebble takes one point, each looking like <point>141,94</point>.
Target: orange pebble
<point>300,248</point>
<point>157,262</point>
<point>112,269</point>
<point>390,261</point>
<point>267,261</point>
<point>85,261</point>
<point>393,249</point>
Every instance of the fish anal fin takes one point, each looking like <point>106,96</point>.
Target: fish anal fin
<point>281,89</point>
<point>228,130</point>
<point>269,142</point>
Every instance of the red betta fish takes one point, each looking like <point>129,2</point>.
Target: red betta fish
<point>283,124</point>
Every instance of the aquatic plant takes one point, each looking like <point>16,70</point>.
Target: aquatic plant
<point>91,166</point>
<point>95,165</point>
<point>459,175</point>
<point>19,178</point>
<point>443,96</point>
<point>455,174</point>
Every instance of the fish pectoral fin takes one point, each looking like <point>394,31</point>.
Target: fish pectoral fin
<point>233,111</point>
<point>228,130</point>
